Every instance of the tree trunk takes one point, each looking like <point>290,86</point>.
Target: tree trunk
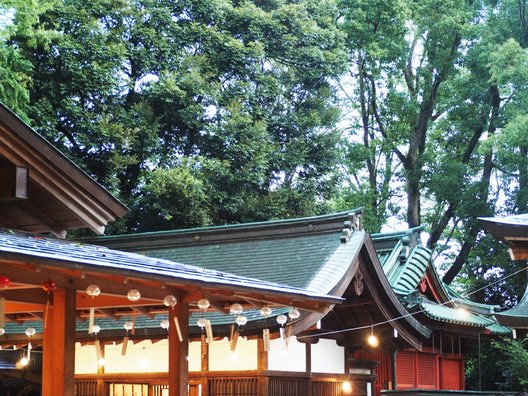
<point>481,197</point>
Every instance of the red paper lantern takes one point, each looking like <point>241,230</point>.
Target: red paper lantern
<point>49,286</point>
<point>4,282</point>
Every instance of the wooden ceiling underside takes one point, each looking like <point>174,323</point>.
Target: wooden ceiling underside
<point>60,196</point>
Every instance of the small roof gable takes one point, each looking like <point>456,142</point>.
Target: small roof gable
<point>42,190</point>
<point>507,228</point>
<point>403,262</point>
<point>407,265</point>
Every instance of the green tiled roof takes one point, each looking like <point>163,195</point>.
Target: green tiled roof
<point>307,254</point>
<point>269,259</point>
<point>408,274</point>
<point>447,314</point>
<point>78,255</point>
<point>517,316</point>
<point>497,329</point>
<point>313,258</point>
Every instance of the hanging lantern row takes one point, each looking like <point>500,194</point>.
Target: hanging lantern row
<point>171,301</point>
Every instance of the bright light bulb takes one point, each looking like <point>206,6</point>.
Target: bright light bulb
<point>373,341</point>
<point>24,361</point>
<point>101,362</point>
<point>462,313</point>
<point>346,387</point>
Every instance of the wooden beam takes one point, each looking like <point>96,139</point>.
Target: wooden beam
<point>319,307</point>
<point>216,304</point>
<point>143,311</point>
<point>32,295</point>
<point>518,253</point>
<point>32,211</point>
<point>108,313</point>
<point>21,272</point>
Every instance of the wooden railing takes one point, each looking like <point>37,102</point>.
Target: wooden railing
<point>85,387</point>
<point>249,383</point>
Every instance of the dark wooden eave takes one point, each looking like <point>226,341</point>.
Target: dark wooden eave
<point>60,195</point>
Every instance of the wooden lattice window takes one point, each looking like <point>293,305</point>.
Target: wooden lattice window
<point>233,387</point>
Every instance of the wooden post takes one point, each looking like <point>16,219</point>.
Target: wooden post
<point>101,390</point>
<point>262,367</point>
<point>58,361</point>
<point>308,351</point>
<point>204,358</point>
<point>308,360</point>
<point>178,351</point>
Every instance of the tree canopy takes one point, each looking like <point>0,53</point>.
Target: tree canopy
<point>207,112</point>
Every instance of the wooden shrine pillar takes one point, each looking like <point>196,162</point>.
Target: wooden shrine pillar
<point>262,367</point>
<point>58,360</point>
<point>178,351</point>
<point>204,365</point>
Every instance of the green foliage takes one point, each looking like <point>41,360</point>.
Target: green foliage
<point>234,96</point>
<point>504,366</point>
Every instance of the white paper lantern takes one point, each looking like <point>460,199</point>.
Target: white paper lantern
<point>236,309</point>
<point>282,319</point>
<point>133,295</point>
<point>164,324</point>
<point>294,314</point>
<point>170,301</point>
<point>95,329</point>
<point>202,322</point>
<point>93,290</point>
<point>30,331</point>
<point>203,304</point>
<point>128,325</point>
<point>266,311</point>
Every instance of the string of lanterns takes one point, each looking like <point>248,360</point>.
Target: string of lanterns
<point>170,301</point>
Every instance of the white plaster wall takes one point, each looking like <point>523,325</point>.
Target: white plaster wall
<point>141,357</point>
<point>292,358</point>
<point>245,356</point>
<point>85,359</point>
<point>328,357</point>
<point>195,356</point>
